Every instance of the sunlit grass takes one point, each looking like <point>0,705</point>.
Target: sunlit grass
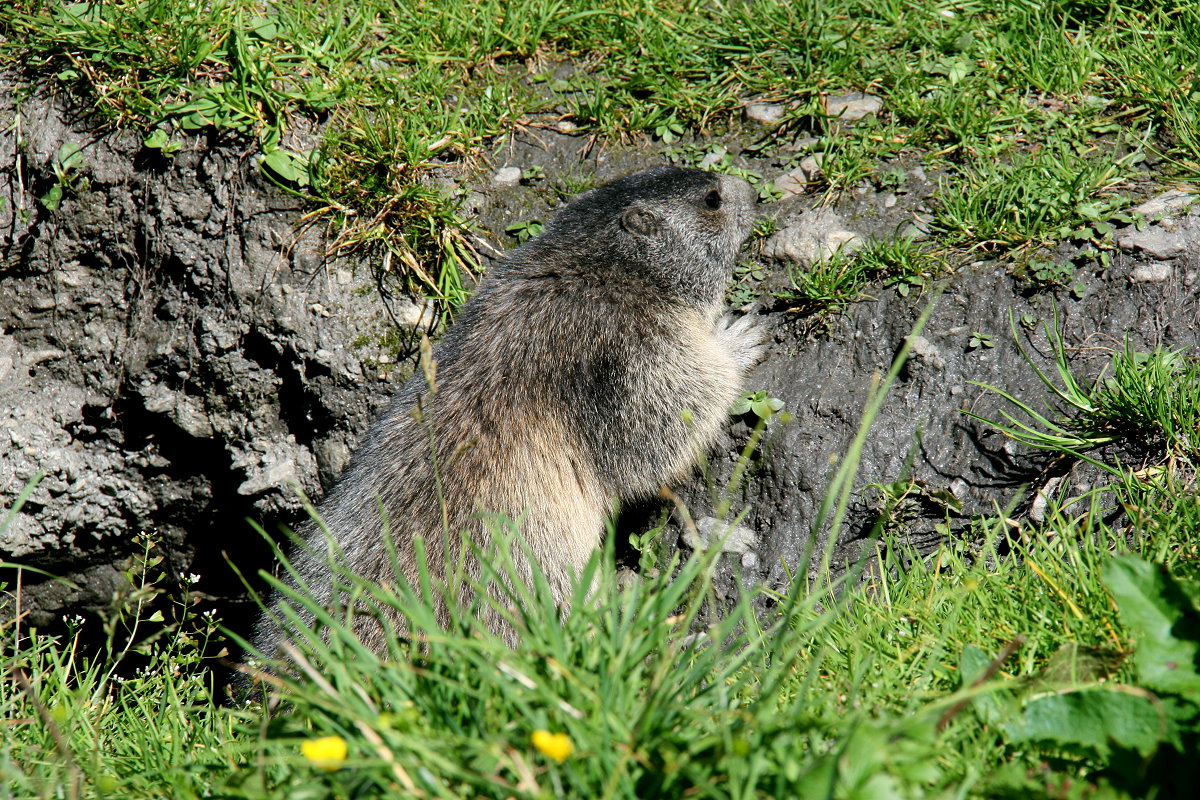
<point>854,687</point>
<point>1021,102</point>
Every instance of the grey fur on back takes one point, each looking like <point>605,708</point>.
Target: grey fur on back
<point>591,367</point>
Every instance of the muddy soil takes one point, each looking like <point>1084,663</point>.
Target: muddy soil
<point>179,354</point>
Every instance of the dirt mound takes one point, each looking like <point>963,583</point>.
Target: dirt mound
<point>178,354</point>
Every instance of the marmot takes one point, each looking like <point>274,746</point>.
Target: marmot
<point>592,365</point>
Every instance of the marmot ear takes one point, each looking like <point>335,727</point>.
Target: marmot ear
<point>638,220</point>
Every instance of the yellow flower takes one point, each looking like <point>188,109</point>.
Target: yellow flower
<point>327,752</point>
<point>555,745</point>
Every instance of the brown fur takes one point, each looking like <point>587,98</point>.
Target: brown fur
<point>591,367</point>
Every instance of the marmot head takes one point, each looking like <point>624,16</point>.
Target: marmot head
<point>675,230</point>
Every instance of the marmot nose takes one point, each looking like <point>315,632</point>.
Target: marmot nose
<point>737,191</point>
<point>739,196</point>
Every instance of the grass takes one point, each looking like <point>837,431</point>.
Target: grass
<point>1151,398</point>
<point>1035,112</point>
<point>1067,669</point>
<point>834,283</point>
<point>1037,198</point>
<point>135,715</point>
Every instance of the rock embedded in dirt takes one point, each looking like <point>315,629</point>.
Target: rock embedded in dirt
<point>811,165</point>
<point>1155,241</point>
<point>924,354</point>
<point>1151,273</point>
<point>812,237</point>
<point>764,113</point>
<point>712,157</point>
<point>852,107</point>
<point>792,182</point>
<point>797,180</point>
<point>801,144</point>
<point>1169,203</point>
<point>507,177</point>
<point>710,532</point>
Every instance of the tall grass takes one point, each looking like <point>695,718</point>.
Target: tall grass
<point>959,673</point>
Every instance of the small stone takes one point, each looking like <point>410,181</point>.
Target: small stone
<point>764,113</point>
<point>186,412</point>
<point>10,355</point>
<point>1175,201</point>
<point>812,165</point>
<point>794,182</point>
<point>959,488</point>
<point>710,531</point>
<point>628,578</point>
<point>911,232</point>
<point>1151,273</point>
<point>749,559</point>
<point>1037,509</point>
<point>924,352</point>
<point>1156,242</point>
<point>269,476</point>
<point>509,176</point>
<point>713,158</point>
<point>73,275</point>
<point>839,240</point>
<point>34,357</point>
<point>919,174</point>
<point>889,200</point>
<point>814,237</point>
<point>852,107</point>
<point>565,126</point>
<point>419,316</point>
<point>802,144</point>
<point>217,337</point>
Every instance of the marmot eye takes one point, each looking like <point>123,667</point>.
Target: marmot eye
<point>713,199</point>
